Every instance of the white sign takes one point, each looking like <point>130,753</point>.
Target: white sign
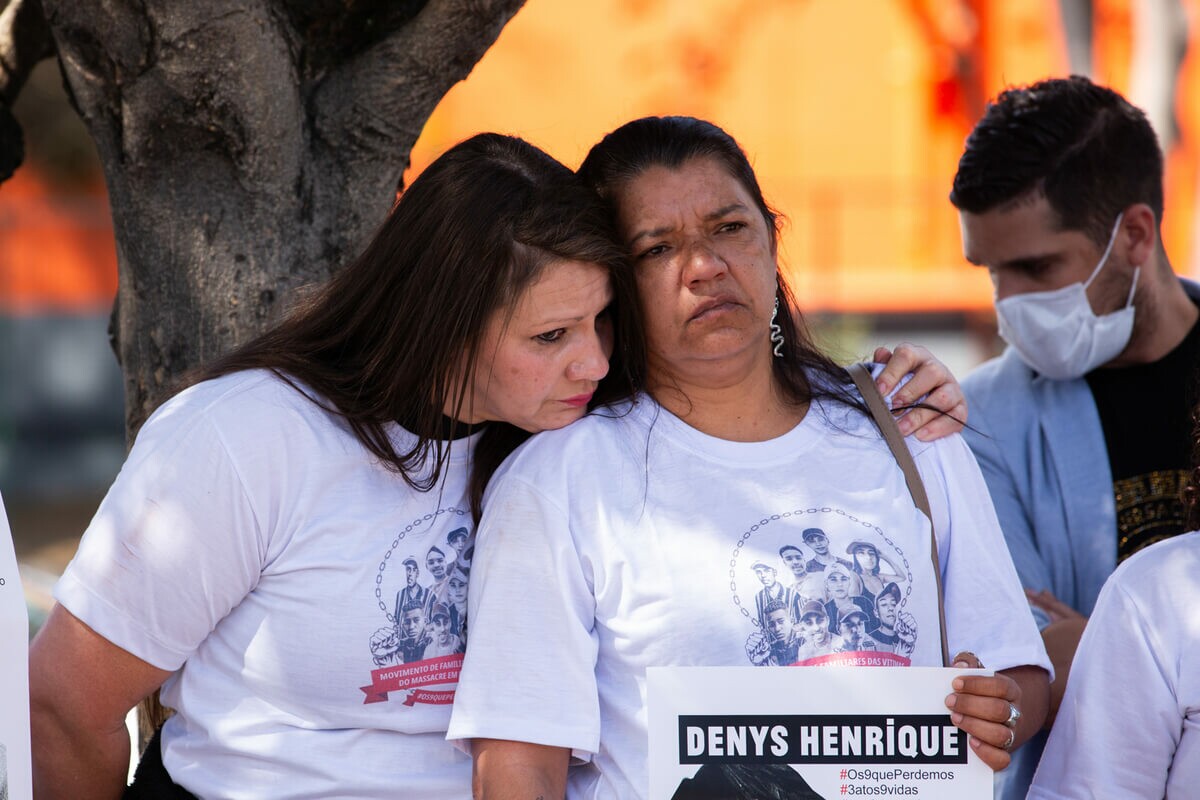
<point>16,771</point>
<point>808,733</point>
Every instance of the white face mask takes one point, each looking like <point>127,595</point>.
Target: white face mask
<point>1057,334</point>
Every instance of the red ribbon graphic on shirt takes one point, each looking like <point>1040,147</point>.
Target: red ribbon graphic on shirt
<point>413,678</point>
<point>857,658</point>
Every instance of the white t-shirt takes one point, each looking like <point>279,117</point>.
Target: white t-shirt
<point>252,545</point>
<point>15,766</point>
<point>1129,725</point>
<point>630,539</point>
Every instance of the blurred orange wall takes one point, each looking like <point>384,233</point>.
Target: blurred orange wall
<point>57,251</point>
<point>853,111</point>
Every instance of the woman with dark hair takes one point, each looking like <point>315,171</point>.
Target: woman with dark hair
<point>247,557</point>
<point>866,558</point>
<point>746,435</point>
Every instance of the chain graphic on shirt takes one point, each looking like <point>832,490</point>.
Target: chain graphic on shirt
<point>423,642</point>
<point>846,597</point>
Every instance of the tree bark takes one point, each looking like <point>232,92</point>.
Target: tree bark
<point>249,148</point>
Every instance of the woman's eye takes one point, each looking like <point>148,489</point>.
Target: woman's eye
<point>551,336</point>
<point>731,227</point>
<point>657,250</point>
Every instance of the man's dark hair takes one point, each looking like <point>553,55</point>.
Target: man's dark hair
<point>773,606</point>
<point>1083,147</point>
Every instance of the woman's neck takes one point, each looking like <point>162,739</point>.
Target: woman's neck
<point>749,407</point>
<point>448,428</point>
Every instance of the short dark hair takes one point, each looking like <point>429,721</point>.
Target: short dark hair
<point>773,606</point>
<point>1083,147</point>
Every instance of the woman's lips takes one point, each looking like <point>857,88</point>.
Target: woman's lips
<point>714,306</point>
<point>579,400</point>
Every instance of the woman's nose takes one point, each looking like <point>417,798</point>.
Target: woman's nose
<point>591,360</point>
<point>703,263</point>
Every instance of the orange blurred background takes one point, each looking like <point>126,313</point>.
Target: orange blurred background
<point>853,112</point>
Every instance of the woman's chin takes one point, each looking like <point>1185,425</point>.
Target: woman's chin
<point>551,422</point>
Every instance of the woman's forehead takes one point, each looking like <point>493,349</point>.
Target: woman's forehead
<point>704,170</point>
<point>660,198</point>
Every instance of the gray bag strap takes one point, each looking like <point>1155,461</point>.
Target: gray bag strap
<point>886,423</point>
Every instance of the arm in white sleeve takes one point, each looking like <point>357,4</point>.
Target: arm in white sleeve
<point>1120,723</point>
<point>529,673</point>
<point>985,604</point>
<point>175,545</point>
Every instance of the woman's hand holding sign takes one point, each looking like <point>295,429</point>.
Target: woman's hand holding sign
<point>999,711</point>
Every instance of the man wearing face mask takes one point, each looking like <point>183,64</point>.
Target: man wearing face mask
<point>1081,426</point>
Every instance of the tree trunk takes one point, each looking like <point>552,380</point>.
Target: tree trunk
<point>1078,21</point>
<point>250,148</point>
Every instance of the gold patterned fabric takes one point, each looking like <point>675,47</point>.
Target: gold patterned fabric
<point>1148,509</point>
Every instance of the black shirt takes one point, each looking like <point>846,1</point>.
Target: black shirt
<point>1146,413</point>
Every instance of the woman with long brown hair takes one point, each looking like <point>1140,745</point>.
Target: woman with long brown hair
<point>249,556</point>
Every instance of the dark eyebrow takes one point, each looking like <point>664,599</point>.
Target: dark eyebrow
<point>1022,264</point>
<point>653,233</point>
<point>720,212</point>
<point>1030,263</point>
<point>709,217</point>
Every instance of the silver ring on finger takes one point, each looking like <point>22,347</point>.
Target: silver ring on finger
<point>1014,714</point>
<point>1012,737</point>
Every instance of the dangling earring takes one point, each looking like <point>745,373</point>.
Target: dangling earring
<point>776,332</point>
